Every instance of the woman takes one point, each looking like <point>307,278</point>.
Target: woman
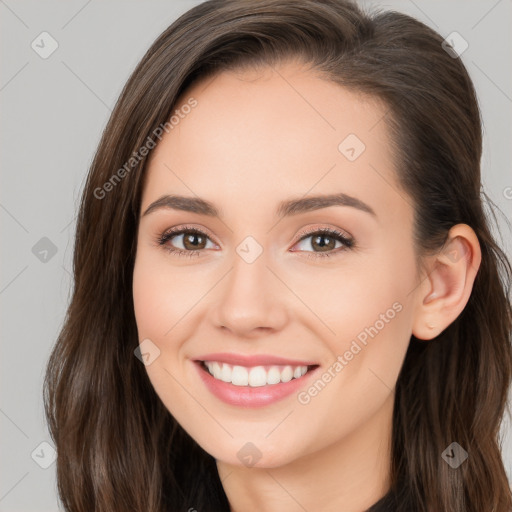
<point>340,339</point>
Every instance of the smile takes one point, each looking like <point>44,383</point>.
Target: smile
<point>255,376</point>
<point>253,381</point>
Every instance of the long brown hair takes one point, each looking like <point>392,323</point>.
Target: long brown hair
<point>119,449</point>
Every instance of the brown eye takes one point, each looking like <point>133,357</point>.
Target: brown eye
<point>323,242</point>
<point>184,241</point>
<point>318,241</point>
<point>192,241</point>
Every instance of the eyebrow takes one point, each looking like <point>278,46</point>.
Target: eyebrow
<point>284,209</point>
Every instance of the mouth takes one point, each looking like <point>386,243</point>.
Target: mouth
<point>255,376</point>
<point>254,380</point>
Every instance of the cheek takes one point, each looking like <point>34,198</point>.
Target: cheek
<point>146,297</point>
<point>370,310</point>
<point>158,308</point>
<point>362,374</point>
<point>162,294</point>
<point>357,302</point>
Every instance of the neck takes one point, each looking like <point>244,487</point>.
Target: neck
<point>350,475</point>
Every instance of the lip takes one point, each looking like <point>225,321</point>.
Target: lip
<point>247,396</point>
<point>253,360</point>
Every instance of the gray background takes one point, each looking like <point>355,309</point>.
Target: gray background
<point>52,114</point>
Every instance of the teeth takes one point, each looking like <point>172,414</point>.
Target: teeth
<point>216,370</point>
<point>225,374</point>
<point>287,374</point>
<point>273,375</point>
<point>255,376</point>
<point>239,376</point>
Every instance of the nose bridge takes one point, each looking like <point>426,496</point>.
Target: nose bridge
<point>250,296</point>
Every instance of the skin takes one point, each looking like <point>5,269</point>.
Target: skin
<point>256,138</point>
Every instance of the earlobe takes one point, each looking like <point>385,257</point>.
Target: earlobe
<point>447,287</point>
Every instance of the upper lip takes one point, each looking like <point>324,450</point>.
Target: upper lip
<point>253,360</point>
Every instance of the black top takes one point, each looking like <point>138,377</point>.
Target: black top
<point>387,503</point>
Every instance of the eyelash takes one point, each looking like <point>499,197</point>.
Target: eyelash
<point>328,232</point>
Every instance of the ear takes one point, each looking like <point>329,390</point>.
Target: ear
<point>445,291</point>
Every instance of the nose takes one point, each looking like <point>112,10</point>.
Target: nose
<point>252,301</point>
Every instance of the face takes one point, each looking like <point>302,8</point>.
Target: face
<point>263,282</point>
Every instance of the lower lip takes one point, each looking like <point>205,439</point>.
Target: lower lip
<point>247,396</point>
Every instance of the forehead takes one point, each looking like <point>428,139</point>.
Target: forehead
<point>271,130</point>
